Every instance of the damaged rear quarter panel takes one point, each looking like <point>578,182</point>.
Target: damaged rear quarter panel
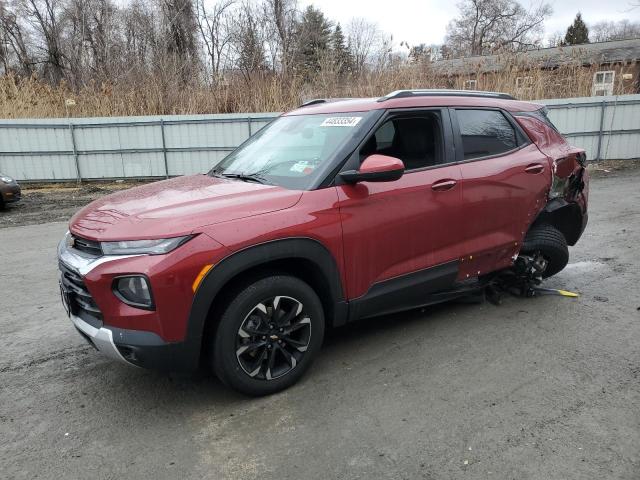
<point>570,182</point>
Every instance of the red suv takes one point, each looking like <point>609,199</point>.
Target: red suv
<point>335,211</point>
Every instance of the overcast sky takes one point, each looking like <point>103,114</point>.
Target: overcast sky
<point>424,21</point>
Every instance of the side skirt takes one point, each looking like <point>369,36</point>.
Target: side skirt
<point>418,289</point>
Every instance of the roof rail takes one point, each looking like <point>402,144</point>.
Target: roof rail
<point>441,92</point>
<point>313,102</point>
<point>316,101</point>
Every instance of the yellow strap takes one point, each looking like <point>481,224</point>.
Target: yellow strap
<point>565,293</point>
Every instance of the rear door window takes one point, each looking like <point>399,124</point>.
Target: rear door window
<point>485,133</point>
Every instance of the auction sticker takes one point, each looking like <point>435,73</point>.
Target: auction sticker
<point>341,122</point>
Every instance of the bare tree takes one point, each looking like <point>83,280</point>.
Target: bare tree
<point>556,39</point>
<point>14,43</point>
<point>102,38</point>
<point>485,26</point>
<point>43,16</point>
<point>383,55</point>
<point>179,22</point>
<point>73,38</point>
<point>282,18</point>
<point>140,33</point>
<point>215,31</point>
<point>605,31</point>
<point>363,38</point>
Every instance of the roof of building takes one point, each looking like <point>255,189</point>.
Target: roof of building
<point>614,51</point>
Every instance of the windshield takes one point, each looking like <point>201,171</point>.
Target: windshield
<point>291,151</point>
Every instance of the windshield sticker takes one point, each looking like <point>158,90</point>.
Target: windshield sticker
<point>341,122</point>
<point>300,167</point>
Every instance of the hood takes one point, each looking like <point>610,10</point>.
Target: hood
<point>175,207</point>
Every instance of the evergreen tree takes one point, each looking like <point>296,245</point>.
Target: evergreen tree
<point>577,32</point>
<point>341,52</point>
<point>315,38</point>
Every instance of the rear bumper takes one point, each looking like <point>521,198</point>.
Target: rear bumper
<point>585,220</point>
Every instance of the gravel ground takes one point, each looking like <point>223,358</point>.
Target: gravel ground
<point>541,388</point>
<point>55,202</point>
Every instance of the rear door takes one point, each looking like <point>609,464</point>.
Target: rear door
<point>505,183</point>
<point>400,237</point>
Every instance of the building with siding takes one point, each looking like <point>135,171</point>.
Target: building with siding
<point>611,68</point>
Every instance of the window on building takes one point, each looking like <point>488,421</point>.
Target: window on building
<point>603,83</point>
<point>485,133</point>
<point>470,85</point>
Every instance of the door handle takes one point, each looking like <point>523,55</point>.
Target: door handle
<point>443,185</point>
<point>534,168</point>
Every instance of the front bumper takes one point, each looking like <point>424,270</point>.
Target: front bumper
<point>150,339</point>
<point>134,347</point>
<point>101,338</point>
<point>10,192</point>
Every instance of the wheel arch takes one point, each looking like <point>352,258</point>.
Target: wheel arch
<point>304,258</point>
<point>567,217</point>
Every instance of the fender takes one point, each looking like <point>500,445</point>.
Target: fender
<point>238,262</point>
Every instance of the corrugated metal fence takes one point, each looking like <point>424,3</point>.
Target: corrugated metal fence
<point>91,148</point>
<point>608,128</point>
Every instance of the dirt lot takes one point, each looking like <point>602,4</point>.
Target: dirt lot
<point>541,388</point>
<point>55,202</point>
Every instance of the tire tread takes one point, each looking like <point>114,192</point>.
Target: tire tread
<point>221,358</point>
<point>551,243</point>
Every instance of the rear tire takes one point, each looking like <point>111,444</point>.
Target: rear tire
<point>268,335</point>
<point>550,242</point>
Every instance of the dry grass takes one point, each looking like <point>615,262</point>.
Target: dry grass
<point>30,97</point>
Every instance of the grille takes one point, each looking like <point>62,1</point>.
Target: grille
<point>89,246</point>
<point>81,302</point>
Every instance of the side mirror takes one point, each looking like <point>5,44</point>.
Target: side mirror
<point>375,168</point>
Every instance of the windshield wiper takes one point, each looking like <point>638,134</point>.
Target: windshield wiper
<point>245,177</point>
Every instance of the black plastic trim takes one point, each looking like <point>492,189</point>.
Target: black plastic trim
<point>568,217</point>
<point>243,260</point>
<point>405,292</point>
<point>149,350</point>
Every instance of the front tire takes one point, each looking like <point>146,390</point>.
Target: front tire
<point>550,242</point>
<point>268,335</point>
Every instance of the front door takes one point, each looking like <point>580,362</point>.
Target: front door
<point>400,237</point>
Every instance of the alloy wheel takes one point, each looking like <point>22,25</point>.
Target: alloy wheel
<point>273,338</point>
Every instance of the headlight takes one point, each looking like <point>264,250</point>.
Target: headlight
<point>137,247</point>
<point>134,290</point>
<point>6,179</point>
